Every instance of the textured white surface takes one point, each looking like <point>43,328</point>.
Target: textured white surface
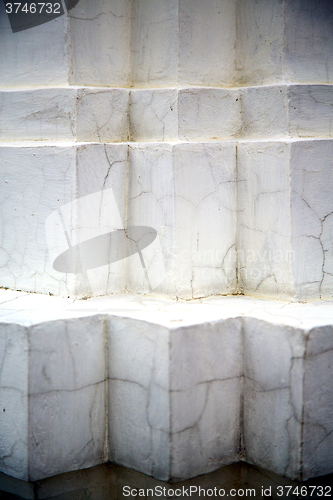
<point>285,218</point>
<point>139,378</point>
<point>224,94</point>
<point>52,397</point>
<point>100,37</point>
<point>205,398</point>
<point>14,401</point>
<point>198,259</point>
<point>37,181</point>
<point>273,396</point>
<point>67,396</point>
<point>64,114</point>
<point>184,380</point>
<point>318,391</point>
<point>43,58</point>
<point>166,43</point>
<point>98,114</point>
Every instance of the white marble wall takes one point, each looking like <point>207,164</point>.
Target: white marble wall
<point>165,43</point>
<point>204,224</point>
<point>285,221</point>
<point>34,190</point>
<point>206,368</point>
<point>284,41</point>
<point>187,193</point>
<point>318,428</point>
<point>273,396</point>
<point>65,114</point>
<point>198,386</point>
<point>138,355</point>
<point>67,396</point>
<point>14,356</point>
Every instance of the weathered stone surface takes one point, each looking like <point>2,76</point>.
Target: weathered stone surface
<point>176,383</point>
<point>285,218</point>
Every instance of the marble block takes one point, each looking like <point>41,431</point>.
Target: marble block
<point>153,114</point>
<point>139,378</point>
<point>285,218</point>
<point>154,43</point>
<point>14,456</point>
<point>186,192</point>
<point>308,50</point>
<point>287,380</point>
<point>207,41</point>
<point>40,186</point>
<point>206,368</point>
<point>100,38</point>
<point>259,44</point>
<point>171,44</point>
<point>53,407</point>
<point>206,114</point>
<point>269,48</point>
<point>186,114</point>
<point>64,114</point>
<point>318,394</point>
<point>273,396</point>
<point>41,55</point>
<point>287,111</point>
<point>180,404</point>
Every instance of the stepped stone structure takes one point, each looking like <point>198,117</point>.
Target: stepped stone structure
<point>153,150</point>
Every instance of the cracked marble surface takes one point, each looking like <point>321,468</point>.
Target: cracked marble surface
<point>99,38</point>
<point>205,397</point>
<point>277,182</point>
<point>273,392</point>
<point>166,42</point>
<point>162,194</point>
<point>263,233</point>
<point>318,428</point>
<point>64,114</point>
<point>286,111</point>
<point>165,377</point>
<point>96,114</point>
<point>139,377</point>
<point>38,181</point>
<point>49,385</point>
<point>270,49</point>
<point>312,218</point>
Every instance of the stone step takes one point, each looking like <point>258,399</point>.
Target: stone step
<point>248,216</point>
<point>172,389</point>
<point>188,114</point>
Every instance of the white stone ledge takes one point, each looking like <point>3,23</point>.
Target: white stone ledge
<point>194,113</point>
<point>164,376</point>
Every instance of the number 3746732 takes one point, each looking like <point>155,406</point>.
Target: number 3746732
<point>33,8</point>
